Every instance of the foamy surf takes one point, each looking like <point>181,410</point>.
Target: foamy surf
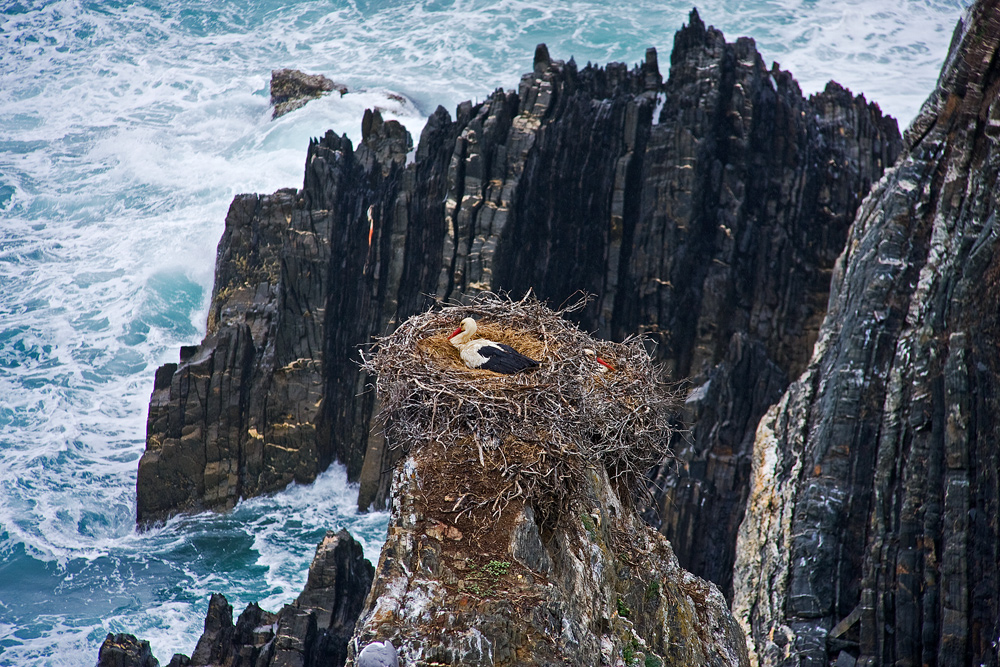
<point>159,581</point>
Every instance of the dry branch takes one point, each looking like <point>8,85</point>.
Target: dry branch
<point>535,433</point>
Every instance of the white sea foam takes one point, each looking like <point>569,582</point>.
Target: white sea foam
<point>157,584</point>
<point>128,129</point>
<point>889,51</point>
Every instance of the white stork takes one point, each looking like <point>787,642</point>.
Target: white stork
<point>486,354</point>
<point>604,365</point>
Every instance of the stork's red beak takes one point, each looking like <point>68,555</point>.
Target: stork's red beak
<point>455,333</point>
<point>601,361</point>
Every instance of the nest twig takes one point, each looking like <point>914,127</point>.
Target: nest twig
<point>535,433</point>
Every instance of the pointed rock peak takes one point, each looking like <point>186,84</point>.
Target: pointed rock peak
<point>440,118</point>
<point>371,123</point>
<point>692,35</point>
<point>542,58</point>
<point>694,21</point>
<point>651,70</point>
<point>388,140</point>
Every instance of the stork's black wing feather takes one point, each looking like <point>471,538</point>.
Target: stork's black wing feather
<point>502,358</point>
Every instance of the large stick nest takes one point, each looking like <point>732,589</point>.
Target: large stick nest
<point>534,433</point>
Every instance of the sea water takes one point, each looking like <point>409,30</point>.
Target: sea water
<point>125,130</point>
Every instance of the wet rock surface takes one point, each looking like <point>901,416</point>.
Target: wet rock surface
<point>292,89</point>
<point>312,631</point>
<point>124,650</point>
<point>872,533</point>
<point>706,210</point>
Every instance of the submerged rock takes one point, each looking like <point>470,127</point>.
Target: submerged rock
<point>292,89</point>
<point>873,525</point>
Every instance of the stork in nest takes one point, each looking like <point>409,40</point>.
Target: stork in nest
<point>487,354</point>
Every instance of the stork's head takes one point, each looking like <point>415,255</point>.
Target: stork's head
<point>466,326</point>
<point>593,355</point>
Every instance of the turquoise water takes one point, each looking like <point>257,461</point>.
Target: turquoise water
<point>127,129</point>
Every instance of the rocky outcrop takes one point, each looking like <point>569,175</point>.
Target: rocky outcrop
<point>292,89</point>
<point>706,211</point>
<point>502,588</point>
<point>312,631</point>
<point>123,650</point>
<point>340,578</point>
<point>872,533</point>
<point>236,418</point>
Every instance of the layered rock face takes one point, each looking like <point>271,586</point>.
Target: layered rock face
<point>706,211</point>
<point>236,418</point>
<point>872,530</point>
<point>747,191</point>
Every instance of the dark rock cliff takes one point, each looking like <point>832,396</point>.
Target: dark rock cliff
<point>872,532</point>
<point>706,211</point>
<point>747,191</point>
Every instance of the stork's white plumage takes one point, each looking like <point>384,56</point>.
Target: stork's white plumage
<point>487,354</point>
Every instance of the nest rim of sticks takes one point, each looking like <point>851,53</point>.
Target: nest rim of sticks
<point>571,409</point>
